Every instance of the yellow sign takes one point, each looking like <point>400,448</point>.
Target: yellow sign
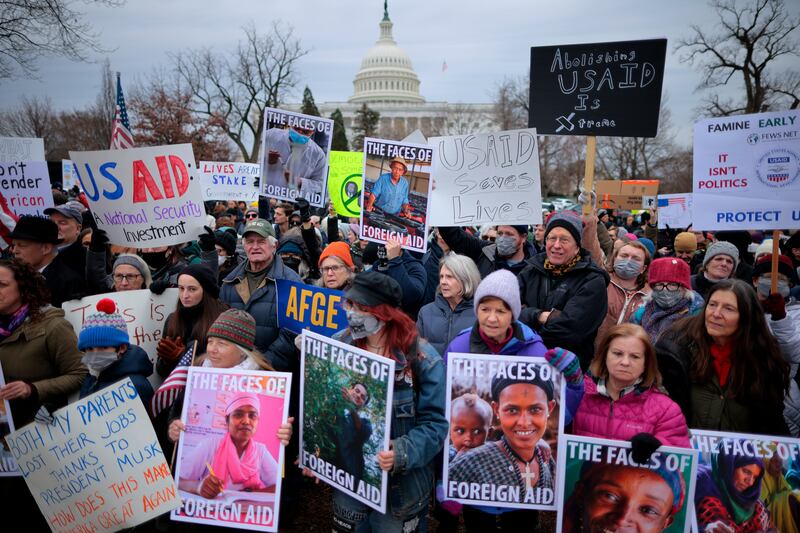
<point>345,182</point>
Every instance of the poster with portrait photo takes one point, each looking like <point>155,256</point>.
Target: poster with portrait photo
<point>604,489</point>
<point>294,156</point>
<point>8,465</point>
<point>229,461</point>
<point>395,193</point>
<point>505,415</point>
<point>345,416</point>
<point>746,482</point>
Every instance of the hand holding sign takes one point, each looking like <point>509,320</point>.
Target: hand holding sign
<point>211,486</point>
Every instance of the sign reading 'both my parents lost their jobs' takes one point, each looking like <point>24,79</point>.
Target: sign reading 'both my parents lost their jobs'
<point>608,89</point>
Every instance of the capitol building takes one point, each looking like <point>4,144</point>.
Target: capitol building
<point>387,83</point>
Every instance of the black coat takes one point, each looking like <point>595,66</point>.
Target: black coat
<point>484,253</point>
<point>64,283</point>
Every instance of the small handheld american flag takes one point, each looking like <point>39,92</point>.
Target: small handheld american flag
<point>174,384</point>
<point>121,136</point>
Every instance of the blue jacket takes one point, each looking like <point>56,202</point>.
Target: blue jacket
<point>418,428</point>
<point>263,303</point>
<point>439,324</point>
<point>134,364</point>
<point>410,274</point>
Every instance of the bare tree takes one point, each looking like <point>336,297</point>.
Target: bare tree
<point>511,103</point>
<point>462,119</point>
<point>749,42</point>
<point>30,29</point>
<point>235,90</point>
<point>33,118</point>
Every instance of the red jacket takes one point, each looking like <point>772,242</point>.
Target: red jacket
<point>641,410</point>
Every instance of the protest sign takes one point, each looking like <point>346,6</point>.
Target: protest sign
<point>747,172</point>
<point>8,466</point>
<point>229,181</point>
<point>601,481</point>
<point>674,210</point>
<point>345,416</point>
<point>98,466</point>
<point>143,197</point>
<point>21,149</point>
<point>302,306</point>
<point>478,469</point>
<point>607,89</point>
<point>68,179</point>
<point>486,178</point>
<point>395,193</point>
<point>294,156</point>
<point>344,182</point>
<point>755,472</point>
<point>25,185</point>
<point>226,409</point>
<point>625,195</point>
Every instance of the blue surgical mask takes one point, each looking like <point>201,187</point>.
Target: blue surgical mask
<point>506,245</point>
<point>666,299</point>
<point>765,285</point>
<point>297,138</point>
<point>627,268</point>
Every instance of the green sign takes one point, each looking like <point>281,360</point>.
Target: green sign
<point>345,182</point>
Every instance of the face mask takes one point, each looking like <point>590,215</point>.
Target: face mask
<point>627,268</point>
<point>666,299</point>
<point>297,138</point>
<point>765,285</point>
<point>362,325</point>
<point>291,262</point>
<point>221,260</point>
<point>154,260</point>
<point>99,361</point>
<point>506,245</point>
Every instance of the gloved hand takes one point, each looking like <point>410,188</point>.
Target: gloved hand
<point>565,362</point>
<point>305,209</point>
<point>159,286</point>
<point>451,506</point>
<point>642,447</point>
<point>775,305</point>
<point>99,241</point>
<point>206,240</point>
<point>169,349</point>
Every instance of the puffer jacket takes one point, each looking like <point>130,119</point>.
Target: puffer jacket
<point>621,305</point>
<point>787,333</point>
<point>484,253</point>
<point>439,324</point>
<point>641,410</point>
<point>263,303</point>
<point>134,364</point>
<point>578,299</point>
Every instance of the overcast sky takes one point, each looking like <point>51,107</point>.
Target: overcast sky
<point>482,42</point>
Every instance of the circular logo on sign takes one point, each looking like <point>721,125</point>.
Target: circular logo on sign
<point>351,194</point>
<point>778,168</point>
<point>752,138</point>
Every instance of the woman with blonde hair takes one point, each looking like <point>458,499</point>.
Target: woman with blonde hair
<point>628,288</point>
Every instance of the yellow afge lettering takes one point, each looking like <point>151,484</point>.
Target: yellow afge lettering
<point>291,304</point>
<point>332,311</point>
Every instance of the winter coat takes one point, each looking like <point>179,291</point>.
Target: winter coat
<point>133,364</point>
<point>484,253</point>
<point>410,274</point>
<point>693,307</point>
<point>787,333</point>
<point>74,256</point>
<point>44,354</point>
<point>64,283</point>
<point>263,303</point>
<point>439,324</point>
<point>578,299</point>
<point>431,263</point>
<point>641,410</point>
<point>701,284</point>
<point>621,305</point>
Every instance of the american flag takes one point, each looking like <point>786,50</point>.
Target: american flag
<point>8,221</point>
<point>173,385</point>
<point>121,136</point>
<point>680,200</point>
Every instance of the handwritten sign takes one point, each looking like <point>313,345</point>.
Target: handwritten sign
<point>486,178</point>
<point>143,197</point>
<point>302,306</point>
<point>21,149</point>
<point>674,210</point>
<point>229,181</point>
<point>345,416</point>
<point>625,194</point>
<point>8,466</point>
<point>610,89</point>
<point>747,172</point>
<point>344,182</point>
<point>25,185</point>
<point>98,466</point>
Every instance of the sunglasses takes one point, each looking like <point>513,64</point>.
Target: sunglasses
<point>251,215</point>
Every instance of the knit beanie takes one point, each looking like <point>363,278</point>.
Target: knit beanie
<point>569,220</point>
<point>669,270</point>
<point>647,243</point>
<point>136,262</point>
<point>204,277</point>
<point>104,328</point>
<point>764,266</point>
<point>338,249</point>
<point>226,240</point>
<point>500,284</point>
<point>521,229</point>
<point>722,248</point>
<point>236,326</point>
<point>685,242</point>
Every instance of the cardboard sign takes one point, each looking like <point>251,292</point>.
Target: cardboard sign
<point>25,185</point>
<point>486,178</point>
<point>8,466</point>
<point>600,478</point>
<point>396,206</point>
<point>758,469</point>
<point>98,466</point>
<point>294,156</point>
<point>747,172</point>
<point>302,306</point>
<point>21,149</point>
<point>338,448</point>
<point>229,181</point>
<point>143,197</point>
<point>222,408</point>
<point>608,89</point>
<point>477,468</point>
<point>344,182</point>
<point>626,195</point>
<point>674,210</point>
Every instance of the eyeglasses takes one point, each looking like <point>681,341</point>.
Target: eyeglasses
<point>487,238</point>
<point>350,305</point>
<point>334,269</point>
<point>127,277</point>
<point>251,215</point>
<point>563,240</point>
<point>671,286</point>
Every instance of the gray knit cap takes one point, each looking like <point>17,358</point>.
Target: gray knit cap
<point>500,284</point>
<point>722,248</point>
<point>136,262</point>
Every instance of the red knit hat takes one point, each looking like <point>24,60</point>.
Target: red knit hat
<point>785,267</point>
<point>669,270</point>
<point>338,249</point>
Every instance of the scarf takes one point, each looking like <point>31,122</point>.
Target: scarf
<point>716,481</point>
<point>721,359</point>
<point>244,469</point>
<point>494,346</point>
<point>9,324</point>
<point>656,320</point>
<point>560,270</point>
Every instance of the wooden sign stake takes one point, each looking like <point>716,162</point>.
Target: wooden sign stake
<point>588,175</point>
<point>776,240</point>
